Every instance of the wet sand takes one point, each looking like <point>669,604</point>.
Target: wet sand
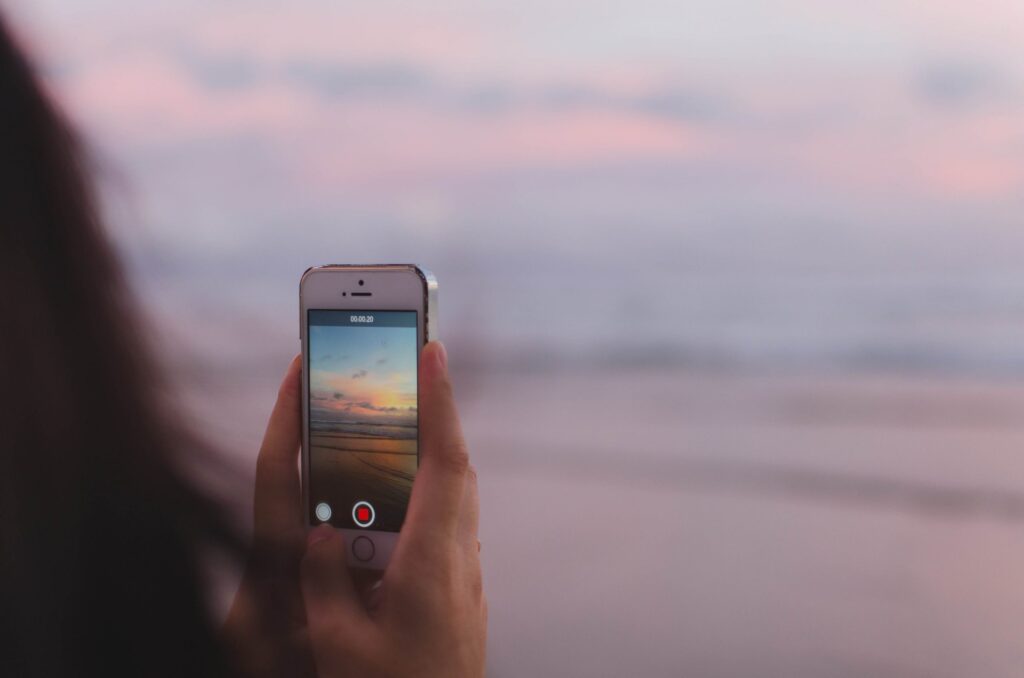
<point>680,524</point>
<point>351,468</point>
<point>640,524</point>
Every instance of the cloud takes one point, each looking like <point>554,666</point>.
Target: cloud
<point>671,102</point>
<point>681,104</point>
<point>366,405</point>
<point>959,84</point>
<point>359,374</point>
<point>390,409</point>
<point>338,80</point>
<point>223,73</point>
<point>376,79</point>
<point>382,361</point>
<point>338,395</point>
<point>331,79</point>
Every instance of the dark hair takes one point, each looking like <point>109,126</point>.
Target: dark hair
<point>102,534</point>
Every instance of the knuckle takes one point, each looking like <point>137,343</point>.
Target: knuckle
<point>455,457</point>
<point>476,586</point>
<point>445,388</point>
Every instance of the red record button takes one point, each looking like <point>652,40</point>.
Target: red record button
<point>363,514</point>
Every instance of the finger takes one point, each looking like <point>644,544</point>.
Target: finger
<point>367,585</point>
<point>333,610</point>
<point>277,510</point>
<point>469,519</point>
<point>436,502</point>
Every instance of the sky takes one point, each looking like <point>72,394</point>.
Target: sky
<point>362,374</point>
<point>750,178</point>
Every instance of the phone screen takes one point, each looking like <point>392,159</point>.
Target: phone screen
<point>363,426</point>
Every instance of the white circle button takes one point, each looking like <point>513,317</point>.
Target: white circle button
<point>363,514</point>
<point>323,511</point>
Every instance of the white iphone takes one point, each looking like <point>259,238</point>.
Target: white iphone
<point>362,329</point>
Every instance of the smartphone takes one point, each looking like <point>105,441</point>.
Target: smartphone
<point>362,328</point>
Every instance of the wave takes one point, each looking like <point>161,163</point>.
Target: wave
<point>365,429</point>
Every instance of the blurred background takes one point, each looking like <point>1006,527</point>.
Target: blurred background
<point>733,292</point>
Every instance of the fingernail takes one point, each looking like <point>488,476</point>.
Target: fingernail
<point>374,597</point>
<point>318,534</point>
<point>442,356</point>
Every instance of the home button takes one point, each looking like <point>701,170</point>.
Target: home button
<point>363,549</point>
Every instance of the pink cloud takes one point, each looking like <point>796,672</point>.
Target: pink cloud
<point>150,99</point>
<point>880,139</point>
<point>360,32</point>
<point>368,145</point>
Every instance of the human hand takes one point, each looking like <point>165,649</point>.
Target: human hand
<point>266,626</point>
<point>428,617</point>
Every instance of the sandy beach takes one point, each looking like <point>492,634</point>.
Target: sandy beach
<point>738,525</point>
<point>671,524</point>
<point>351,468</point>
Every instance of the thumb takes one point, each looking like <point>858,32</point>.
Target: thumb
<point>334,614</point>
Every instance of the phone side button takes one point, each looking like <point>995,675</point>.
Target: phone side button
<point>363,549</point>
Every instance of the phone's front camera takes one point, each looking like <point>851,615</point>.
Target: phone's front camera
<point>360,283</point>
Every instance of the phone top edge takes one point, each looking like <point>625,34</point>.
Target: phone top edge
<point>364,267</point>
<point>358,267</point>
<point>430,287</point>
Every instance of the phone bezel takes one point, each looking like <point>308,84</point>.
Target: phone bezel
<point>394,287</point>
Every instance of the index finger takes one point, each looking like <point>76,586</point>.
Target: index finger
<point>276,509</point>
<point>437,493</point>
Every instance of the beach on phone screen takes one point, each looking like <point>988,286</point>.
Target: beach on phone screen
<point>362,429</point>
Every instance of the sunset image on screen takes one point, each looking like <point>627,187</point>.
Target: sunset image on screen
<point>362,415</point>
